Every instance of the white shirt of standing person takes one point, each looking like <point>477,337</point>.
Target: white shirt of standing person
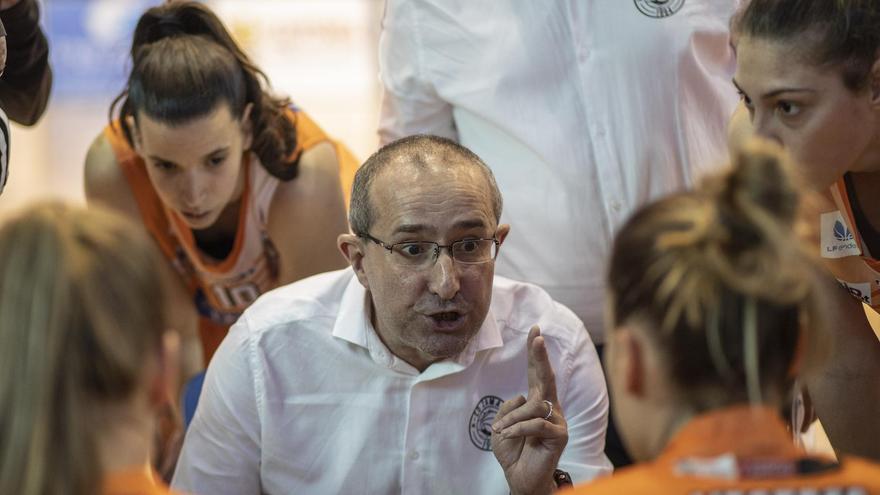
<point>584,110</point>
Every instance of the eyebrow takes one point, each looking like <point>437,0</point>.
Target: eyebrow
<point>217,151</point>
<point>776,92</point>
<point>415,228</point>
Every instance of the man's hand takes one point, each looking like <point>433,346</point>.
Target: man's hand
<point>526,442</point>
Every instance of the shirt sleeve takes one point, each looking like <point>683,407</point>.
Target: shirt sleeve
<point>584,398</point>
<point>27,78</point>
<point>221,452</point>
<point>410,102</point>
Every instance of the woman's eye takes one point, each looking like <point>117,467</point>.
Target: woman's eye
<point>216,160</point>
<point>166,166</point>
<point>787,108</point>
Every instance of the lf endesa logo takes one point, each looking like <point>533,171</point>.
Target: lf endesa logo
<point>837,240</point>
<point>844,238</point>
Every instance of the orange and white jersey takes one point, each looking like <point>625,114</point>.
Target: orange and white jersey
<point>844,249</point>
<point>222,289</point>
<point>738,451</point>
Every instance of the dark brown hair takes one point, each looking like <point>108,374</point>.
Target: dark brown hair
<point>721,281</point>
<point>837,33</point>
<point>185,63</point>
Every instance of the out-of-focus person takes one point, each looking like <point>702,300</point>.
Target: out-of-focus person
<point>26,76</point>
<point>715,308</point>
<point>87,364</point>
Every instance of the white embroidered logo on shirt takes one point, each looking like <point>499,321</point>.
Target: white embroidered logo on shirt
<point>837,240</point>
<point>659,8</point>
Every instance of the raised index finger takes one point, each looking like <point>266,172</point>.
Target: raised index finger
<point>542,379</point>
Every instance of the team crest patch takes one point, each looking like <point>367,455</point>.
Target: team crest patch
<point>659,8</point>
<point>480,425</point>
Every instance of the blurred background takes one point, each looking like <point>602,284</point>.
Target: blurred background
<point>321,53</point>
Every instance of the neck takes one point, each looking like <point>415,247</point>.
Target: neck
<point>126,440</point>
<point>668,421</point>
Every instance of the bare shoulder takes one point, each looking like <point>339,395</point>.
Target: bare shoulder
<point>307,214</point>
<point>318,178</point>
<point>104,180</point>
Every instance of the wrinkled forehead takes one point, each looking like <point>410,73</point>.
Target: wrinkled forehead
<point>432,193</point>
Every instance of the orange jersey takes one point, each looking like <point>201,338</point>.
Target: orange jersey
<point>739,450</point>
<point>842,244</point>
<point>222,289</point>
<point>134,482</point>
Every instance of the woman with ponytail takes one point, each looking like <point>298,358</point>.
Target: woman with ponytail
<point>241,190</point>
<point>86,364</point>
<point>714,308</point>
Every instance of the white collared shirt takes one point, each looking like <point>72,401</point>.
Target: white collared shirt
<point>584,110</point>
<point>303,397</point>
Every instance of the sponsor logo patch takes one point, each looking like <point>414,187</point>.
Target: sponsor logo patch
<point>837,240</point>
<point>860,291</point>
<point>480,425</point>
<point>659,9</point>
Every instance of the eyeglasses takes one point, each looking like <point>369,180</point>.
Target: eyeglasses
<point>422,254</point>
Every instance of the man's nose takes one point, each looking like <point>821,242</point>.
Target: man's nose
<point>444,278</point>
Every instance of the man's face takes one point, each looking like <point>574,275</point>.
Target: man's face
<point>429,314</point>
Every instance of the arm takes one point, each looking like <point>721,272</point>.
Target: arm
<point>410,104</point>
<point>27,78</point>
<point>306,216</point>
<point>221,452</point>
<point>846,392</point>
<point>106,185</point>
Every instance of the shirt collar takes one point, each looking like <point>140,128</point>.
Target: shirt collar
<point>353,325</point>
<point>742,430</point>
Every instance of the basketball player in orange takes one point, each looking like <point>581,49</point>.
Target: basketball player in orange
<point>241,190</point>
<point>811,82</point>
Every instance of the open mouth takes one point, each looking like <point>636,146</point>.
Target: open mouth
<point>447,319</point>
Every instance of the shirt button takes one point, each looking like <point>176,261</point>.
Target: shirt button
<point>615,205</point>
<point>414,455</point>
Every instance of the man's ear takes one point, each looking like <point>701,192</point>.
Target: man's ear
<point>247,127</point>
<point>164,384</point>
<point>352,248</point>
<point>501,232</point>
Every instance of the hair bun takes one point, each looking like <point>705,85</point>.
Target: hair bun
<point>756,198</point>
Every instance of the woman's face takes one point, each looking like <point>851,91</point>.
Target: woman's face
<point>828,128</point>
<point>195,167</point>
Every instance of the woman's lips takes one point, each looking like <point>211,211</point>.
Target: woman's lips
<point>192,215</point>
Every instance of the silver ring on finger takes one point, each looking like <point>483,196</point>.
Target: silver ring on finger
<point>550,412</point>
